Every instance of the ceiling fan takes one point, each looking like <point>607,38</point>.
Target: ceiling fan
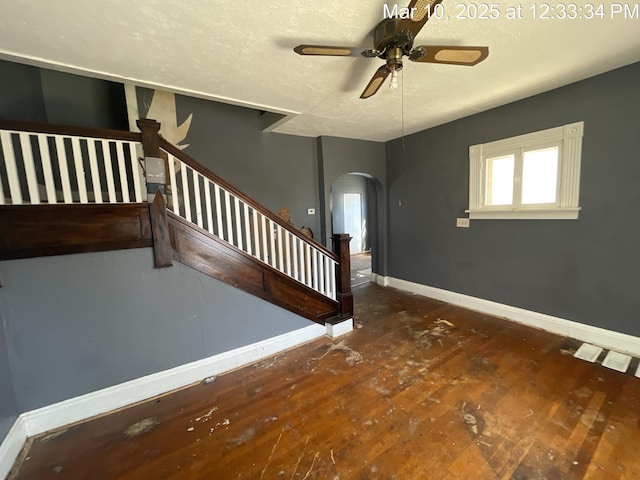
<point>393,39</point>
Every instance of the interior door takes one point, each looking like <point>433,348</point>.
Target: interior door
<point>353,220</point>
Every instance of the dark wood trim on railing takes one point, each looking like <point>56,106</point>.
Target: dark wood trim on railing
<point>176,152</point>
<point>69,130</point>
<point>29,231</point>
<point>162,255</point>
<point>343,280</point>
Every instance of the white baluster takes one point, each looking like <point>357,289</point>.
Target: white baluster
<point>303,263</point>
<point>95,173</point>
<point>122,169</point>
<point>264,237</point>
<point>256,235</point>
<point>216,190</point>
<point>10,165</point>
<point>29,168</point>
<point>49,183</point>
<point>195,176</point>
<point>135,167</point>
<point>309,279</point>
<point>108,170</point>
<point>175,205</point>
<point>227,204</point>
<point>79,166</point>
<point>247,228</point>
<point>327,276</point>
<point>185,193</point>
<point>315,270</point>
<point>280,256</point>
<point>321,286</point>
<point>334,272</point>
<point>207,199</point>
<point>287,251</point>
<point>273,244</point>
<point>238,222</point>
<point>294,252</point>
<point>63,164</point>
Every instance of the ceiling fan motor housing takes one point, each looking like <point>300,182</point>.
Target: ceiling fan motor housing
<point>390,33</point>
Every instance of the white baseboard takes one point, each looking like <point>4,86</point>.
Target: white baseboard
<point>339,329</point>
<point>617,341</point>
<point>380,280</point>
<point>11,446</point>
<point>112,398</point>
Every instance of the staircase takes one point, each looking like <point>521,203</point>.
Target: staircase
<point>70,189</point>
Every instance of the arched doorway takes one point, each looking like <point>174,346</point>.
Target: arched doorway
<point>354,210</point>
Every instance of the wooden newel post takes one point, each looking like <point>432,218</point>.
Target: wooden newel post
<point>155,160</point>
<point>343,280</point>
<point>155,168</point>
<point>149,130</point>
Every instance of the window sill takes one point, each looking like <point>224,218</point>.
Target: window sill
<point>554,214</point>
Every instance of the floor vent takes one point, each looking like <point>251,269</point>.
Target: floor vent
<point>607,358</point>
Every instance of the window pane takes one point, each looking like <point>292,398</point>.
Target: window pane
<point>539,176</point>
<point>500,180</point>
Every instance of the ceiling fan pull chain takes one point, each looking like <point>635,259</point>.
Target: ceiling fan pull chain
<point>402,102</point>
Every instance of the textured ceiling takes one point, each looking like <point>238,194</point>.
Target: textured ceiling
<point>241,53</point>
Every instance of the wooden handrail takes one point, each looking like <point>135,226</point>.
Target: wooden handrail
<point>179,154</point>
<point>69,130</point>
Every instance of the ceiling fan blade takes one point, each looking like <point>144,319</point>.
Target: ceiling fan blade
<point>423,11</point>
<point>326,51</point>
<point>449,54</point>
<point>376,82</point>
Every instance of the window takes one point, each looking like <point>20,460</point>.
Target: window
<point>532,176</point>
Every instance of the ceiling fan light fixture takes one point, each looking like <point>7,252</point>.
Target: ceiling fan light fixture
<point>393,84</point>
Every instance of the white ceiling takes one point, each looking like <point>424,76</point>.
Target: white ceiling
<point>241,52</point>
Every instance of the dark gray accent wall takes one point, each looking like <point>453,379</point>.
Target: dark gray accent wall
<point>89,102</point>
<point>8,406</point>
<point>39,95</point>
<point>341,156</point>
<point>584,270</point>
<point>79,323</point>
<point>21,93</point>
<point>274,169</point>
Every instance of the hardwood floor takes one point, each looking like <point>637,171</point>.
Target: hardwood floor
<point>420,390</point>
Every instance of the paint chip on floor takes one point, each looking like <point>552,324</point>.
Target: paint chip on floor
<point>588,352</point>
<point>617,361</point>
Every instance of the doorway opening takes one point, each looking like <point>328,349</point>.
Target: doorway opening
<point>354,210</point>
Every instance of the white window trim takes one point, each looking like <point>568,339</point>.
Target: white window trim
<point>569,140</point>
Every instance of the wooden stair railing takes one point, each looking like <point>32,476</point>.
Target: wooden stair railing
<point>80,167</point>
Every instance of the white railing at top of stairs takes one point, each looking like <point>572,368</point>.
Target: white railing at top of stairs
<point>43,167</point>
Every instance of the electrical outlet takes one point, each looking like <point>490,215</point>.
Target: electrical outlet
<point>311,211</point>
<point>462,222</point>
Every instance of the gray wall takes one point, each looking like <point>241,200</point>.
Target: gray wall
<point>78,323</point>
<point>339,156</point>
<point>41,95</point>
<point>584,270</point>
<point>8,406</point>
<point>276,170</point>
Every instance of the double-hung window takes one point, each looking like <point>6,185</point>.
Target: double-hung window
<point>532,176</point>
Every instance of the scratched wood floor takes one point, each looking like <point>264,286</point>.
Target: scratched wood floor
<point>420,390</point>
